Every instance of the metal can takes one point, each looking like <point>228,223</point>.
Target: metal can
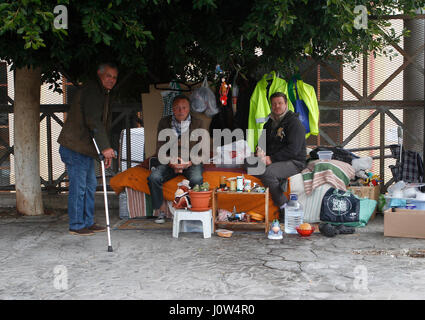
<point>247,185</point>
<point>239,184</point>
<point>232,185</point>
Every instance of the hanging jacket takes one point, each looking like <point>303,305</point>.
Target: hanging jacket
<point>411,168</point>
<point>259,108</point>
<point>306,93</point>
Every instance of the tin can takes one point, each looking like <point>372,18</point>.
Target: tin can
<point>222,182</point>
<point>240,216</point>
<point>232,185</point>
<point>247,185</point>
<point>239,184</point>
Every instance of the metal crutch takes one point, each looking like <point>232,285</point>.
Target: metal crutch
<point>102,158</point>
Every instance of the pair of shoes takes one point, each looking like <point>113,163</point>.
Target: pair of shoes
<point>161,218</point>
<point>96,228</point>
<point>330,230</point>
<point>344,229</point>
<point>81,232</point>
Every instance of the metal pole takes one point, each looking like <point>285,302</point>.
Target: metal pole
<point>105,197</point>
<point>382,151</point>
<point>49,154</point>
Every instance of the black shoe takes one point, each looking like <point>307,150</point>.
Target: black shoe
<point>96,228</point>
<point>328,230</point>
<point>344,229</point>
<point>81,232</point>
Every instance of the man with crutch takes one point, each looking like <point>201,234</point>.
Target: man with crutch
<point>89,113</point>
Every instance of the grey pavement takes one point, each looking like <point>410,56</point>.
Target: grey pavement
<point>39,259</point>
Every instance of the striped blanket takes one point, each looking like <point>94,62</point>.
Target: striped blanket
<point>334,172</point>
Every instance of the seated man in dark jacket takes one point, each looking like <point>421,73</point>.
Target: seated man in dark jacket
<point>182,124</point>
<point>285,153</point>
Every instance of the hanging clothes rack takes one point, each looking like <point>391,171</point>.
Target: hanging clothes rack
<point>189,87</point>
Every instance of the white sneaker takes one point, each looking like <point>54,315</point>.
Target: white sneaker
<point>161,218</point>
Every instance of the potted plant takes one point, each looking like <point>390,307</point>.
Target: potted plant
<point>200,197</point>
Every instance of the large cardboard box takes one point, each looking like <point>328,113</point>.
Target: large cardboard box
<point>404,223</point>
<point>367,192</point>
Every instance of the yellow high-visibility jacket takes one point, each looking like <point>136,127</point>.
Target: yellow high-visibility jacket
<point>259,108</point>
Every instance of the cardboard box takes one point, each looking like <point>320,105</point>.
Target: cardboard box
<point>404,223</point>
<point>367,192</point>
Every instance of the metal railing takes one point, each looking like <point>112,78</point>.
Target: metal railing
<point>127,113</point>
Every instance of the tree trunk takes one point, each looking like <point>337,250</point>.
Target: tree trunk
<point>27,141</point>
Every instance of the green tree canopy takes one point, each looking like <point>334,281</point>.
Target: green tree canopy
<point>164,39</point>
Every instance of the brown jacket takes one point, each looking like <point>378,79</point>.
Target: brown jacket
<point>90,110</point>
<point>165,123</point>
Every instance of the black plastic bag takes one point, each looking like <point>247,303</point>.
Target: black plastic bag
<point>340,206</point>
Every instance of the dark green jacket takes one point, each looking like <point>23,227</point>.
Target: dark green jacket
<point>90,110</point>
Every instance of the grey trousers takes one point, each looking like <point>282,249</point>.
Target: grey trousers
<point>275,175</point>
<point>163,173</point>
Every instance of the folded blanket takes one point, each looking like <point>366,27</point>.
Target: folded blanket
<point>136,178</point>
<point>334,172</point>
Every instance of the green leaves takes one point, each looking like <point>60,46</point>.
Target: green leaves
<point>191,37</point>
<point>28,20</point>
<point>3,6</point>
<point>199,4</point>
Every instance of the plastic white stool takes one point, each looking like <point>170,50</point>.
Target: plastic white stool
<point>204,216</point>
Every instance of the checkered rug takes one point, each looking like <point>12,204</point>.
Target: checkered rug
<point>143,224</point>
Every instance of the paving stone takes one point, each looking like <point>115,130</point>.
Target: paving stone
<point>151,264</point>
<point>283,265</point>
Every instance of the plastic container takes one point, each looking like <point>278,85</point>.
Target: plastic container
<point>325,155</point>
<point>224,233</point>
<point>420,205</point>
<point>305,233</point>
<point>294,215</point>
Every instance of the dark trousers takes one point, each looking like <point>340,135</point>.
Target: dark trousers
<point>163,173</point>
<point>275,175</point>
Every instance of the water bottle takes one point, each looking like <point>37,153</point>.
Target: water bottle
<point>294,214</point>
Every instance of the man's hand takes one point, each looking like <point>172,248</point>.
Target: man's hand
<point>178,165</point>
<point>108,154</point>
<point>174,162</point>
<point>260,152</point>
<point>266,160</point>
<point>186,164</point>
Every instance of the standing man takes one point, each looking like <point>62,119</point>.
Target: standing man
<point>285,149</point>
<point>89,112</point>
<point>180,121</point>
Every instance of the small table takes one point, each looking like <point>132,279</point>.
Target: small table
<point>254,194</point>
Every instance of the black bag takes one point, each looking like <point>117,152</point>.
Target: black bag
<point>340,206</point>
<point>338,154</point>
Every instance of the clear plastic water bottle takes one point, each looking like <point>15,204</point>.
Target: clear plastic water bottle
<point>294,214</point>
